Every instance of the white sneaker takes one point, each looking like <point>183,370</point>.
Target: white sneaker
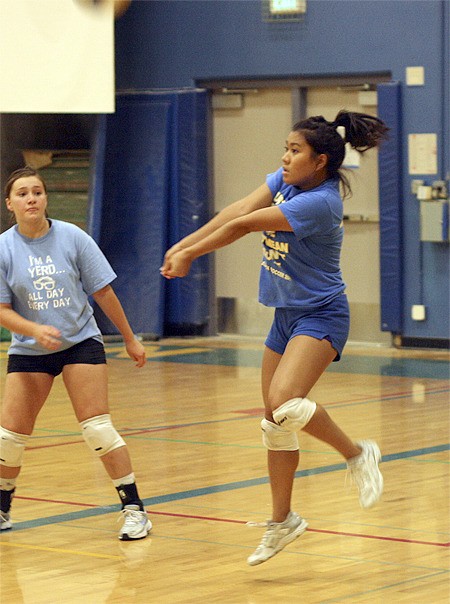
<point>277,536</point>
<point>5,521</point>
<point>136,523</point>
<point>365,473</point>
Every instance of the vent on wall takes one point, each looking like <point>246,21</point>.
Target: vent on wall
<point>227,101</point>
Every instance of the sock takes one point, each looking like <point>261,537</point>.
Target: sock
<point>127,489</point>
<point>6,496</point>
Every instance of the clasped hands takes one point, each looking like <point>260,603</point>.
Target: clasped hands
<point>177,263</point>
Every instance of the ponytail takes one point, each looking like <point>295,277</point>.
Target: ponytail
<point>360,130</point>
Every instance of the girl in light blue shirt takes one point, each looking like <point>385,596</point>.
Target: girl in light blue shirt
<point>48,269</point>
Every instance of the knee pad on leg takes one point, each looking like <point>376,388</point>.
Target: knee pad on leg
<point>276,438</point>
<point>294,414</point>
<point>100,435</point>
<point>12,446</point>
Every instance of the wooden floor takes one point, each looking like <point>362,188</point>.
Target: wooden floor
<point>191,420</point>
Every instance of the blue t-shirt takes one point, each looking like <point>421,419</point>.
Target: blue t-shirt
<point>48,280</point>
<point>301,269</point>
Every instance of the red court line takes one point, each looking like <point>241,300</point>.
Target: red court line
<point>311,530</point>
<point>379,537</point>
<point>230,520</point>
<point>392,395</point>
<point>251,411</point>
<point>84,505</point>
<point>134,433</point>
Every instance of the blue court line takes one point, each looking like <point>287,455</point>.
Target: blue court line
<point>372,365</point>
<point>221,488</point>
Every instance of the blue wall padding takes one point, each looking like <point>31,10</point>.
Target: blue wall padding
<point>94,210</point>
<point>134,209</point>
<point>187,299</point>
<point>390,187</point>
<point>149,189</point>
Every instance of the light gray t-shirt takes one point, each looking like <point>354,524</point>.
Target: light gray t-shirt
<point>48,281</point>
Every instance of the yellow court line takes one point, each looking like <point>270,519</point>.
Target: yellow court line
<point>61,551</point>
<point>121,353</point>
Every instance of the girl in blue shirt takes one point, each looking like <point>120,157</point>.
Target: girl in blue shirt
<point>299,211</point>
<point>48,269</point>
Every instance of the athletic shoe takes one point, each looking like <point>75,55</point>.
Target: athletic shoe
<point>277,536</point>
<point>365,473</point>
<point>136,523</point>
<point>5,521</point>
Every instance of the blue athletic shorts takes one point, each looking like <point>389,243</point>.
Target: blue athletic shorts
<point>89,352</point>
<point>329,322</point>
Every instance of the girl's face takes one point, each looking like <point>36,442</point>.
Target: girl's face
<point>27,200</point>
<point>302,167</point>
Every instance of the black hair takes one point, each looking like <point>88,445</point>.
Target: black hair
<point>360,130</point>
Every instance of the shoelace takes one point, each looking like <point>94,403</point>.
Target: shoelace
<point>130,516</point>
<point>268,536</point>
<point>257,524</point>
<point>359,475</point>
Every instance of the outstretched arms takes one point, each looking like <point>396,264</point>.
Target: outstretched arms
<point>252,213</point>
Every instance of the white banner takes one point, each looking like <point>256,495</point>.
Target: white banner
<point>56,56</point>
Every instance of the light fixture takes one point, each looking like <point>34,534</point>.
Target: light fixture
<point>284,10</point>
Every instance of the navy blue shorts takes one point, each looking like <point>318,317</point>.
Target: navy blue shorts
<point>89,352</point>
<point>329,322</point>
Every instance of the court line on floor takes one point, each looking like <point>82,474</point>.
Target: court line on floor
<point>59,550</point>
<point>383,588</point>
<point>189,494</point>
<point>243,415</point>
<point>309,529</point>
<point>385,365</point>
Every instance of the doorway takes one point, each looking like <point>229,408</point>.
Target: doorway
<point>248,143</point>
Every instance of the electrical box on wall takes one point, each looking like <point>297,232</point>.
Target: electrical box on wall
<point>434,221</point>
<point>418,312</point>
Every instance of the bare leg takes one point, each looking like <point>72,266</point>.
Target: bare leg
<point>24,396</point>
<point>87,386</point>
<point>321,426</point>
<point>281,464</point>
<point>291,375</point>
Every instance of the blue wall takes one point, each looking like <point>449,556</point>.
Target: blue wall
<point>170,43</point>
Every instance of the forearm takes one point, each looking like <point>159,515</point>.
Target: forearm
<point>229,213</point>
<point>259,198</point>
<point>11,320</point>
<point>111,306</point>
<point>47,336</point>
<point>223,236</point>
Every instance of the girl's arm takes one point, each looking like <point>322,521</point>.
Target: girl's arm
<point>46,335</point>
<point>259,198</point>
<point>266,219</point>
<point>111,306</point>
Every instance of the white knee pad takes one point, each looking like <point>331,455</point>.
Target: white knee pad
<point>100,435</point>
<point>294,414</point>
<point>278,439</point>
<point>12,446</point>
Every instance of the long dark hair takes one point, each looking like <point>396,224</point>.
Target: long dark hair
<point>360,130</point>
